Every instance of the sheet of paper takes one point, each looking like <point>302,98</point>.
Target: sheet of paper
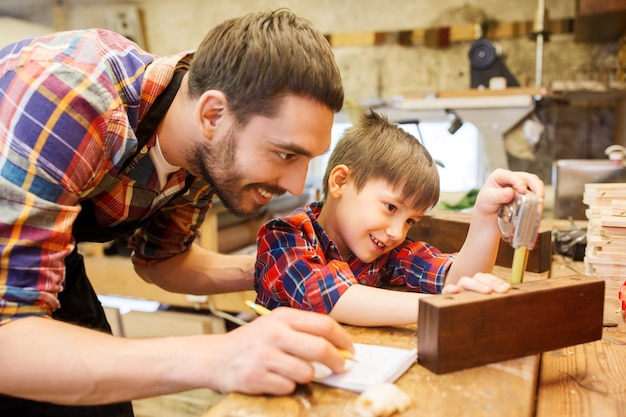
<point>376,364</point>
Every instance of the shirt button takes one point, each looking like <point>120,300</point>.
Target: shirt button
<point>144,150</point>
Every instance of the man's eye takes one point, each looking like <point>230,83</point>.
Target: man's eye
<point>286,156</point>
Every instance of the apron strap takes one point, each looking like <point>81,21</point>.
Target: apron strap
<point>156,112</point>
<point>86,227</point>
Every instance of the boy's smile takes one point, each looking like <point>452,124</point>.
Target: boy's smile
<point>367,223</point>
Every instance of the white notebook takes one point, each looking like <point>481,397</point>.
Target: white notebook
<point>376,364</point>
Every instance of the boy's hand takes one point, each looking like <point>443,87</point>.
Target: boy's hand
<point>480,282</point>
<point>500,189</point>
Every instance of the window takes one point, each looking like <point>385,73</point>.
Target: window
<point>459,153</point>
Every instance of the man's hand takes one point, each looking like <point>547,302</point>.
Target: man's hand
<point>274,352</point>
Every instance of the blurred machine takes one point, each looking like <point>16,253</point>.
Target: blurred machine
<point>569,177</point>
<point>487,62</point>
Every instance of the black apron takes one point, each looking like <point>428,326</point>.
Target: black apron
<point>79,302</point>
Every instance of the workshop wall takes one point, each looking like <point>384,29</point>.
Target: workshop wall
<point>386,70</point>
<point>580,129</point>
<point>389,69</point>
<point>368,71</point>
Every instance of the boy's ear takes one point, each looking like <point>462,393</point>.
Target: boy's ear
<point>337,180</point>
<point>211,105</point>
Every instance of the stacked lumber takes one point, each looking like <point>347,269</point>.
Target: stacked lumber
<point>443,36</point>
<point>605,255</point>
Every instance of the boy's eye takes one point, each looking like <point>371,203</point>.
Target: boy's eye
<point>411,222</point>
<point>391,207</point>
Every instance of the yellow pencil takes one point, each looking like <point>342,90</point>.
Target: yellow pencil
<point>257,308</point>
<point>261,311</point>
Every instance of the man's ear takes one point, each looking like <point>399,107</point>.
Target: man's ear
<point>337,180</point>
<point>210,109</point>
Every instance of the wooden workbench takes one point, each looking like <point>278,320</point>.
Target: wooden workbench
<point>504,389</point>
<point>578,381</point>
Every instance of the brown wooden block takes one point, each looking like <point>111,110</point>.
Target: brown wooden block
<point>437,37</point>
<point>469,329</point>
<point>418,37</point>
<point>405,38</point>
<point>464,32</point>
<point>559,26</point>
<point>447,232</point>
<point>504,30</point>
<point>353,39</point>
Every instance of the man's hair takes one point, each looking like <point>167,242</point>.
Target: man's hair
<point>259,58</point>
<point>375,149</point>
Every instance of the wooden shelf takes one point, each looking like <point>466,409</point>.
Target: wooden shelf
<point>600,20</point>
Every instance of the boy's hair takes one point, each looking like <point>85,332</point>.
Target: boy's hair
<point>376,149</point>
<point>258,58</point>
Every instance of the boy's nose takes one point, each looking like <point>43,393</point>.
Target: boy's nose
<point>395,229</point>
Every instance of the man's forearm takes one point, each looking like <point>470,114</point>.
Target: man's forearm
<point>48,360</point>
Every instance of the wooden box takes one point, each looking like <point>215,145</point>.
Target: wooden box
<point>470,329</point>
<point>447,231</point>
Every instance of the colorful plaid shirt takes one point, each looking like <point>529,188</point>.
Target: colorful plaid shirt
<point>69,106</point>
<point>298,265</point>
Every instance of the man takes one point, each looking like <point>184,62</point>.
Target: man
<point>98,138</point>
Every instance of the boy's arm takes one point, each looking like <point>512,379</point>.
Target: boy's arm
<point>361,305</point>
<point>480,248</point>
<point>415,267</point>
<point>292,270</point>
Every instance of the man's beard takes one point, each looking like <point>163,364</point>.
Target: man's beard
<point>217,166</point>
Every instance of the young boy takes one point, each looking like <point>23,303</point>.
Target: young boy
<point>378,183</point>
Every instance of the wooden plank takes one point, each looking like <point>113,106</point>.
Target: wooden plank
<point>618,232</point>
<point>602,244</point>
<point>602,258</point>
<point>613,221</point>
<point>466,330</point>
<point>447,231</point>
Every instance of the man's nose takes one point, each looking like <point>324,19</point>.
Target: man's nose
<point>293,180</point>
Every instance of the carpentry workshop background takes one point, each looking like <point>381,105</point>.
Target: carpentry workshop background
<point>538,86</point>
